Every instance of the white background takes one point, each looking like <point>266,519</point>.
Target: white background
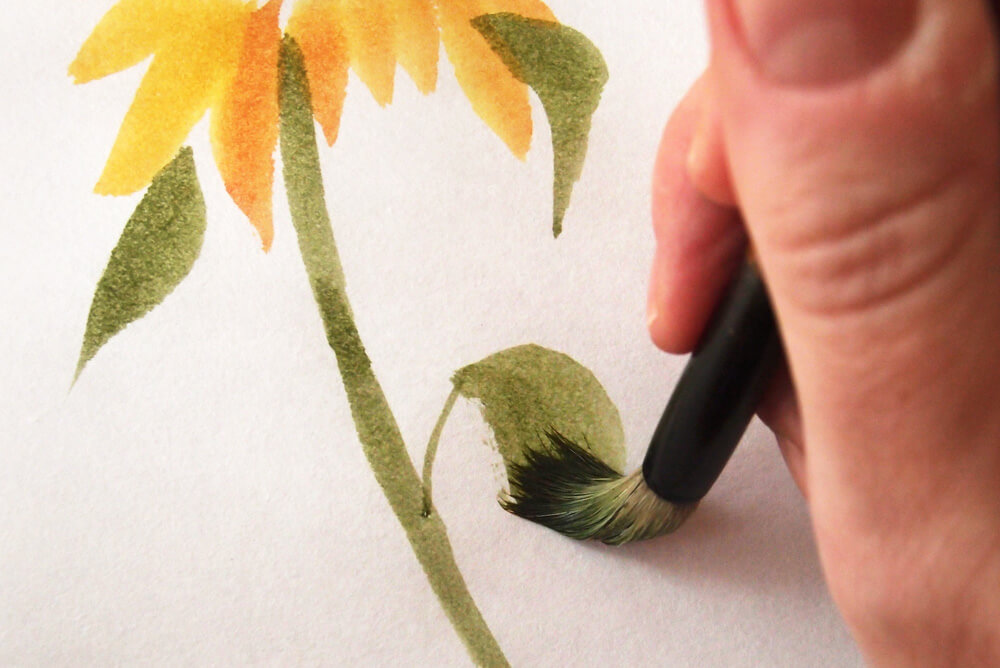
<point>200,496</point>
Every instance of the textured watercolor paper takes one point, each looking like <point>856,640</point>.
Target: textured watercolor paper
<point>289,284</point>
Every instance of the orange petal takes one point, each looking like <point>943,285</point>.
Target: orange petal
<point>245,122</point>
<point>417,41</point>
<point>369,28</point>
<point>316,26</point>
<point>499,99</point>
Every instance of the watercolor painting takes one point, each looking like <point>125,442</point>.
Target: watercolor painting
<point>266,86</point>
<point>290,288</point>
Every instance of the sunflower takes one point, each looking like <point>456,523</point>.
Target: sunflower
<point>231,57</point>
<point>222,55</point>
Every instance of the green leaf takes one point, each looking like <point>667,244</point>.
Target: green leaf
<point>528,391</point>
<point>155,252</point>
<point>568,73</point>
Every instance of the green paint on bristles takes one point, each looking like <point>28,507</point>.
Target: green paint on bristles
<point>563,448</point>
<point>565,487</point>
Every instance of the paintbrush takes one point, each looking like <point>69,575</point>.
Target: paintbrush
<point>563,486</point>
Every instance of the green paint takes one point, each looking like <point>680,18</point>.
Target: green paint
<point>377,430</point>
<point>568,73</point>
<point>156,251</point>
<point>432,447</point>
<point>530,390</point>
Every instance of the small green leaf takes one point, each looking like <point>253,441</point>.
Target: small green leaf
<point>568,73</point>
<point>528,391</point>
<point>155,252</point>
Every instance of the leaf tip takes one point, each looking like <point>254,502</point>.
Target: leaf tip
<point>87,352</point>
<point>76,374</point>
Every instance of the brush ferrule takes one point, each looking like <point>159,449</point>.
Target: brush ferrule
<point>717,394</point>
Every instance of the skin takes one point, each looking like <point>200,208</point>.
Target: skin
<point>863,167</point>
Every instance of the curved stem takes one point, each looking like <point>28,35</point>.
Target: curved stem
<point>377,430</point>
<point>432,447</point>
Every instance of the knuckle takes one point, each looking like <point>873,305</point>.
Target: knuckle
<point>853,256</point>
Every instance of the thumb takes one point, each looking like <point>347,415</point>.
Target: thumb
<point>862,143</point>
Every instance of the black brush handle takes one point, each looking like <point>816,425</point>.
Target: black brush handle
<point>717,394</point>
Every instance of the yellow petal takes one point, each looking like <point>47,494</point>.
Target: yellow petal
<point>499,99</point>
<point>187,74</point>
<point>369,28</point>
<point>316,26</point>
<point>245,122</point>
<point>417,41</point>
<point>128,34</point>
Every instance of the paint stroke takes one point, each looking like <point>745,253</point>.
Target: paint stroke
<point>430,453</point>
<point>568,74</point>
<point>157,249</point>
<point>377,430</point>
<point>497,97</point>
<point>245,122</point>
<point>529,391</point>
<point>528,395</point>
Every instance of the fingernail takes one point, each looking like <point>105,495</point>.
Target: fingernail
<point>653,294</point>
<point>812,42</point>
<point>696,161</point>
<point>652,315</point>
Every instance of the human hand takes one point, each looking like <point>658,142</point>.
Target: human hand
<point>858,142</point>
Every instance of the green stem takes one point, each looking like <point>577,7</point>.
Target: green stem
<point>377,430</point>
<point>432,447</point>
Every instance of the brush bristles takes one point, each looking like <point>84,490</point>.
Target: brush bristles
<point>564,487</point>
